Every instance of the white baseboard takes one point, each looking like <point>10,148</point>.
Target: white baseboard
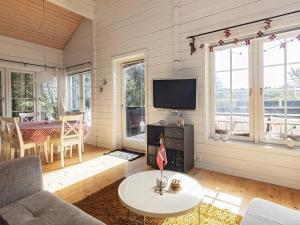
<point>240,173</point>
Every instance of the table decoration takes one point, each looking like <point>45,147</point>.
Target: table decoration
<point>161,161</point>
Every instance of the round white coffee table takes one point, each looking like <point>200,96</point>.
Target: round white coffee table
<point>137,193</point>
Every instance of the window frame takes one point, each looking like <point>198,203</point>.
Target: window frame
<point>40,91</point>
<point>3,91</point>
<point>260,43</point>
<point>81,94</point>
<point>256,87</point>
<point>9,89</point>
<point>213,93</point>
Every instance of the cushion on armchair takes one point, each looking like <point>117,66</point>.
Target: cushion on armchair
<point>262,212</point>
<point>3,221</point>
<point>43,208</point>
<point>20,178</point>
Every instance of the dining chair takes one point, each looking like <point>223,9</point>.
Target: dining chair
<point>71,134</point>
<point>24,144</point>
<point>8,138</point>
<point>5,149</point>
<point>75,113</point>
<point>27,117</point>
<point>1,119</point>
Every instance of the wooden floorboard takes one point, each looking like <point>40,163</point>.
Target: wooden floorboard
<point>223,190</point>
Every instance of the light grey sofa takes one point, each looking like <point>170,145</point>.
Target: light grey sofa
<point>24,202</point>
<point>262,212</point>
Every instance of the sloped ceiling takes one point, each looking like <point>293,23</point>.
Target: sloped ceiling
<point>38,22</point>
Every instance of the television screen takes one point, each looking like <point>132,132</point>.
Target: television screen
<point>174,94</point>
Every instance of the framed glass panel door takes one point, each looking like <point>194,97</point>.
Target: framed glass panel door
<point>48,100</point>
<point>2,93</point>
<point>87,98</point>
<point>133,110</point>
<point>80,94</point>
<point>75,93</point>
<point>22,92</point>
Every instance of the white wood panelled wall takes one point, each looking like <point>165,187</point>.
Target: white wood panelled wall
<point>79,48</point>
<point>85,8</point>
<point>18,50</point>
<point>161,28</point>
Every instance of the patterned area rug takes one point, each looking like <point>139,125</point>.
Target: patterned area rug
<point>125,154</point>
<point>105,206</point>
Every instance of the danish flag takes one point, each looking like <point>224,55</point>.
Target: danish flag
<point>161,158</point>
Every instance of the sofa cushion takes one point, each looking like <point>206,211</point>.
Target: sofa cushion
<point>262,212</point>
<point>43,208</point>
<point>20,178</point>
<point>3,221</point>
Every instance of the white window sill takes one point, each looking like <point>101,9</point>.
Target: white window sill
<point>251,146</point>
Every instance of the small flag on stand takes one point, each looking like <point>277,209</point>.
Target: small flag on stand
<point>161,158</point>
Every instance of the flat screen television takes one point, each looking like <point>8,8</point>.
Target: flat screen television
<point>174,94</point>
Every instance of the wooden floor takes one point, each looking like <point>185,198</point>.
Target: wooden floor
<point>223,190</point>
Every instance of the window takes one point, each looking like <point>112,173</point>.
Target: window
<point>79,93</point>
<point>257,101</point>
<point>25,91</point>
<point>281,84</point>
<point>87,98</point>
<point>22,93</point>
<point>232,91</point>
<point>49,100</point>
<point>2,89</point>
<point>75,93</point>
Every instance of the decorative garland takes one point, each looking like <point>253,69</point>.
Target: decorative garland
<point>227,33</point>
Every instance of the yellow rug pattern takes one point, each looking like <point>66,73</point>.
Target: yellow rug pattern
<point>209,215</point>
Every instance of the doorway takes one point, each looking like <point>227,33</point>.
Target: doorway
<point>133,105</point>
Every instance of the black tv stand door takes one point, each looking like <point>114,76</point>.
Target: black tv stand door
<point>179,144</point>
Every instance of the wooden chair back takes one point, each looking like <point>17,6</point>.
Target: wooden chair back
<point>19,134</point>
<point>69,113</point>
<point>71,127</point>
<point>5,141</point>
<point>8,136</point>
<point>27,117</point>
<point>9,125</point>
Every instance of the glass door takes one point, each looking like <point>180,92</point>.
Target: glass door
<point>133,105</point>
<point>87,98</point>
<point>22,92</point>
<point>75,93</point>
<point>2,93</point>
<point>80,94</point>
<point>48,100</point>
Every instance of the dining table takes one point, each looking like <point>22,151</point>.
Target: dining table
<point>39,131</point>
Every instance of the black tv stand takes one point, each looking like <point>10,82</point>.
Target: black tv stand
<point>179,144</point>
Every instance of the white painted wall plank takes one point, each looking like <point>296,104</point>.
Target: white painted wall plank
<point>128,26</point>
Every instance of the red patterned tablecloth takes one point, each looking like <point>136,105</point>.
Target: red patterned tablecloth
<point>38,131</point>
